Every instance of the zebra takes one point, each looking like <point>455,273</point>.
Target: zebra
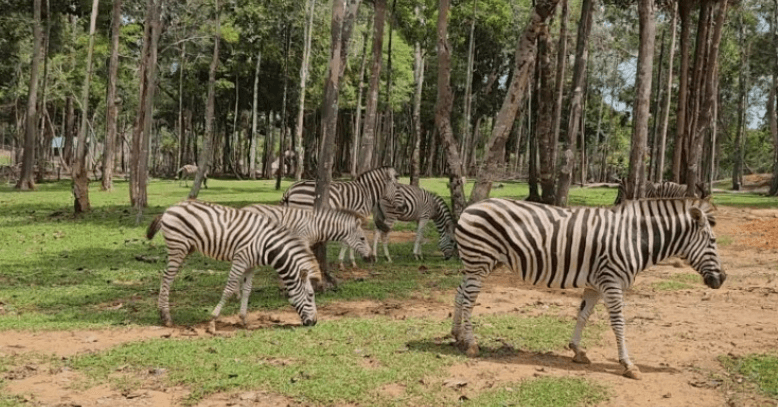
<point>599,249</point>
<point>246,239</point>
<point>413,204</point>
<point>664,189</point>
<point>360,195</point>
<point>190,170</point>
<point>319,226</point>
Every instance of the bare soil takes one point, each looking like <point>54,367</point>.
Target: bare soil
<point>674,337</point>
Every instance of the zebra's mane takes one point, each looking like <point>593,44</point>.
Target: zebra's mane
<point>704,204</point>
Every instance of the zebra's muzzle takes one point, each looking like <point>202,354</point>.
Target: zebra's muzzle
<point>715,280</point>
<point>309,322</point>
<point>369,258</point>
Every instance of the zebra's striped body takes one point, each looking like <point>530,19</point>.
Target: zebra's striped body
<point>598,249</point>
<point>414,204</point>
<point>247,240</point>
<point>664,189</point>
<point>360,195</point>
<point>188,171</point>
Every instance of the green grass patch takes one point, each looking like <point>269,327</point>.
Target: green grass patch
<point>723,241</point>
<point>535,334</point>
<point>680,281</point>
<point>545,392</point>
<point>760,370</point>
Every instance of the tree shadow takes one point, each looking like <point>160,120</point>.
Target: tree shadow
<point>507,354</point>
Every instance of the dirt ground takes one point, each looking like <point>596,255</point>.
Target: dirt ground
<point>674,337</point>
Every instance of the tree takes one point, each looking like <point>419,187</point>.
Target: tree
<point>524,63</point>
<point>209,135</point>
<point>255,117</point>
<point>26,180</point>
<point>660,166</point>
<point>740,133</point>
<point>772,112</point>
<point>111,109</point>
<point>418,73</point>
<point>367,142</point>
<point>576,102</point>
<point>303,79</point>
<point>80,179</point>
<point>684,12</point>
<point>637,168</point>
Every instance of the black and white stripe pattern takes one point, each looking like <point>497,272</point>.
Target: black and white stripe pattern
<point>598,249</point>
<point>360,195</point>
<point>247,240</point>
<point>339,225</point>
<point>414,204</point>
<point>188,171</point>
<point>664,189</point>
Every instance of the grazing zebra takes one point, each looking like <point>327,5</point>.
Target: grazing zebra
<point>664,189</point>
<point>360,195</point>
<point>599,249</point>
<point>413,204</point>
<point>247,240</point>
<point>314,227</point>
<point>190,170</point>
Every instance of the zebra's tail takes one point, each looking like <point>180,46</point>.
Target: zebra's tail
<point>154,227</point>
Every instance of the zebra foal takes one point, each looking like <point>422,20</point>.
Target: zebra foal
<point>247,240</point>
<point>190,170</point>
<point>414,204</point>
<point>360,195</point>
<point>599,249</point>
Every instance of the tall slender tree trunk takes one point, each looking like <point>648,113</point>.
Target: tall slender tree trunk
<point>111,109</point>
<point>771,102</point>
<point>80,179</point>
<point>255,116</point>
<point>638,151</point>
<point>576,102</point>
<point>737,168</point>
<point>388,151</point>
<point>298,174</point>
<point>209,134</point>
<point>561,66</point>
<point>367,142</point>
<point>684,12</point>
<point>282,145</point>
<point>443,106</point>
<point>182,139</point>
<point>660,166</point>
<point>329,125</point>
<point>418,73</point>
<point>68,132</point>
<point>696,90</point>
<point>467,131</point>
<point>26,181</point>
<point>358,118</point>
<point>544,130</point>
<point>44,147</point>
<point>654,142</point>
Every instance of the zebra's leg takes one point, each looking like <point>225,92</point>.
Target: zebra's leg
<point>351,257</point>
<point>590,299</point>
<point>614,301</point>
<point>385,242</point>
<point>417,254</point>
<point>239,268</point>
<point>248,279</point>
<point>467,294</point>
<point>341,256</point>
<point>176,257</point>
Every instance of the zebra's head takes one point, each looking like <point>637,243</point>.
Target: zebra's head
<point>700,249</point>
<point>355,235</point>
<point>301,291</point>
<point>447,244</point>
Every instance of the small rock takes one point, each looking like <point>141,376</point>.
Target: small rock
<point>455,383</point>
<point>667,395</point>
<point>248,396</point>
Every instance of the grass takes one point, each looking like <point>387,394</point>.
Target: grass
<point>538,334</point>
<point>759,370</point>
<point>681,281</point>
<point>545,392</point>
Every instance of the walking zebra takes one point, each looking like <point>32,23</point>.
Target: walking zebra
<point>190,170</point>
<point>664,189</point>
<point>340,225</point>
<point>414,204</point>
<point>599,249</point>
<point>360,195</point>
<point>247,240</point>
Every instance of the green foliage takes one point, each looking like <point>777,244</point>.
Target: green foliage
<point>545,392</point>
<point>684,281</point>
<point>761,370</point>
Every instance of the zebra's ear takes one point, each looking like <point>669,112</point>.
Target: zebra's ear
<point>698,215</point>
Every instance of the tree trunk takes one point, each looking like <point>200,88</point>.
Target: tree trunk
<point>467,131</point>
<point>282,144</point>
<point>367,142</point>
<point>254,117</point>
<point>445,101</point>
<point>576,102</point>
<point>684,12</point>
<point>707,101</point>
<point>182,139</point>
<point>696,90</point>
<point>389,114</point>
<point>111,109</point>
<point>654,143</point>
<point>298,174</point>
<point>772,112</point>
<point>544,130</point>
<point>26,180</point>
<point>329,126</point>
<point>637,167</point>
<point>44,148</point>
<point>80,179</point>
<point>660,166</point>
<point>418,72</point>
<point>737,168</point>
<point>68,132</point>
<point>561,66</point>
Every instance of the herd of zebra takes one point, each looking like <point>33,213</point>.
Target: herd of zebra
<point>598,249</point>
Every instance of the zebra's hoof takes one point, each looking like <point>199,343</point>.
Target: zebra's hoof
<point>632,372</point>
<point>580,357</point>
<point>211,327</point>
<point>472,351</point>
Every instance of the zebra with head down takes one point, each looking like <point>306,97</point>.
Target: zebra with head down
<point>598,249</point>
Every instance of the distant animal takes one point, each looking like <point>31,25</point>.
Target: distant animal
<point>187,171</point>
<point>413,204</point>
<point>664,189</point>
<point>360,195</point>
<point>247,240</point>
<point>598,249</point>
